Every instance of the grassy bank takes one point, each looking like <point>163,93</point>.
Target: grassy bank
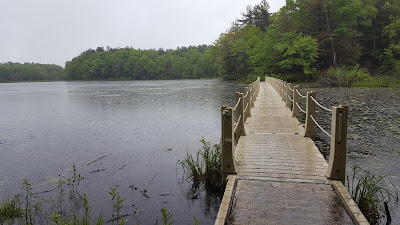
<point>390,82</point>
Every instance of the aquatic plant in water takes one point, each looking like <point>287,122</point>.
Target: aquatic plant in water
<point>372,194</point>
<point>117,205</point>
<point>10,210</point>
<point>205,166</point>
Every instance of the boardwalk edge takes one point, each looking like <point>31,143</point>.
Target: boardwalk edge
<point>351,207</point>
<point>226,200</point>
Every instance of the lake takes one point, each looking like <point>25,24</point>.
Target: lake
<point>127,135</point>
<point>130,135</point>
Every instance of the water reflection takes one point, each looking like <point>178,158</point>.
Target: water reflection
<point>119,134</point>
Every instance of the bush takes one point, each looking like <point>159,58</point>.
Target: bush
<point>344,76</point>
<point>251,78</point>
<point>288,77</point>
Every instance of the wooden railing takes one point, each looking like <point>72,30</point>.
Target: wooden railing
<point>291,96</point>
<point>231,131</point>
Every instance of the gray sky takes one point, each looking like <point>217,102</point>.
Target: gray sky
<point>55,31</point>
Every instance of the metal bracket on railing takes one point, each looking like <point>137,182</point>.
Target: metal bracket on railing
<point>228,139</point>
<point>226,113</point>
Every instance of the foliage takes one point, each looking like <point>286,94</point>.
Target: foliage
<point>205,167</point>
<point>308,36</point>
<point>74,181</point>
<point>390,82</point>
<point>117,204</point>
<point>344,76</point>
<point>128,63</point>
<point>371,192</point>
<point>302,39</point>
<point>166,216</point>
<point>14,211</point>
<point>10,210</point>
<point>287,53</point>
<point>28,214</point>
<point>30,71</point>
<point>258,16</point>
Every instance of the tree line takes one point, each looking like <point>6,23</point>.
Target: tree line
<point>305,38</point>
<point>127,63</point>
<point>30,71</point>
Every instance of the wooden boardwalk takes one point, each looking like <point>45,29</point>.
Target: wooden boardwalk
<point>281,175</point>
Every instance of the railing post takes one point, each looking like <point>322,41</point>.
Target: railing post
<point>288,102</point>
<point>284,91</point>
<point>227,141</point>
<point>279,88</point>
<point>236,101</point>
<point>257,85</point>
<point>337,156</point>
<point>247,104</point>
<point>310,110</point>
<point>240,114</point>
<point>296,98</point>
<point>251,96</point>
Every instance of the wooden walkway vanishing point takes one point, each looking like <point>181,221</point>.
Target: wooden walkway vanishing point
<point>275,173</point>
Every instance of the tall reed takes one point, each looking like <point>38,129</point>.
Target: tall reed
<point>371,193</point>
<point>205,166</point>
<point>10,210</point>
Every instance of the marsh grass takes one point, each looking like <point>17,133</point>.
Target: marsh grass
<point>117,205</point>
<point>205,166</point>
<point>10,210</point>
<point>391,82</point>
<point>22,209</point>
<point>371,193</point>
<point>27,188</point>
<point>166,217</point>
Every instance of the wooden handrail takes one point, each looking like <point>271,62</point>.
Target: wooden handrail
<point>296,99</point>
<point>232,132</point>
<point>227,162</point>
<point>337,156</point>
<point>310,110</point>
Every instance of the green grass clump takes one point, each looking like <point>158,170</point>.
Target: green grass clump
<point>205,166</point>
<point>391,82</point>
<point>371,193</point>
<point>10,210</point>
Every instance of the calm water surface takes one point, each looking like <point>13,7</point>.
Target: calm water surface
<point>128,135</point>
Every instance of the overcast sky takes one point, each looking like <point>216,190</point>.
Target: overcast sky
<point>55,31</point>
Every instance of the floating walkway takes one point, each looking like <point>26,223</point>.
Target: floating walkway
<point>276,175</point>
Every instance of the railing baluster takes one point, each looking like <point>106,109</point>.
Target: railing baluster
<point>296,98</point>
<point>240,114</point>
<point>284,91</point>
<point>288,102</point>
<point>337,156</point>
<point>310,110</point>
<point>228,134</point>
<point>227,161</point>
<point>251,96</point>
<point>247,104</point>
